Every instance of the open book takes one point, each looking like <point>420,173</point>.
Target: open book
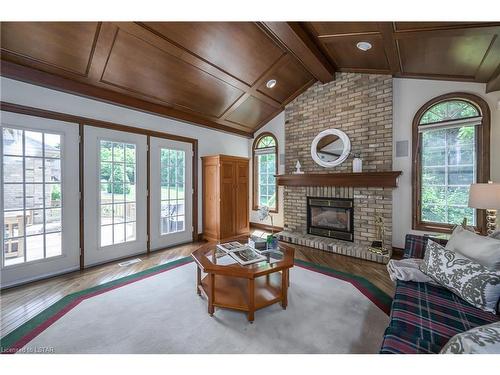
<point>243,254</point>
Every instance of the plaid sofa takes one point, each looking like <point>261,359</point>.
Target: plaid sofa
<point>423,316</point>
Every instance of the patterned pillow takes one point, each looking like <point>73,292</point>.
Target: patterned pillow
<point>480,340</point>
<point>464,277</point>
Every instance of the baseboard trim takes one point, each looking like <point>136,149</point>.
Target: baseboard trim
<point>265,227</point>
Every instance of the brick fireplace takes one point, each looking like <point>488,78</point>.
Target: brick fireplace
<point>361,106</point>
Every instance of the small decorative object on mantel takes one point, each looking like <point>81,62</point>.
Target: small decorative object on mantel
<point>272,241</point>
<point>357,163</point>
<point>297,168</point>
<point>377,246</point>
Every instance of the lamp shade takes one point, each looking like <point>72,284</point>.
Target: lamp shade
<point>484,196</point>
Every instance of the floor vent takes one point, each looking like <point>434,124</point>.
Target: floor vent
<point>129,262</point>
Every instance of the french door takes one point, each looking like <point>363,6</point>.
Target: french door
<point>115,194</point>
<point>171,192</point>
<point>39,197</point>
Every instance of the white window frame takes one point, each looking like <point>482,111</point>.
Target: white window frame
<point>69,259</point>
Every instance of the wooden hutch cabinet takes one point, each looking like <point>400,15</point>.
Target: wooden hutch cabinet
<point>225,197</point>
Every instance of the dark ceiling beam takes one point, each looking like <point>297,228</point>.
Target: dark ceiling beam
<point>37,77</point>
<point>391,49</point>
<point>293,37</point>
<point>494,83</point>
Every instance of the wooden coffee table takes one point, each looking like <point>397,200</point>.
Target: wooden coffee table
<point>245,288</point>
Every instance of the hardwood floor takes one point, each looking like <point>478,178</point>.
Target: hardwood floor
<point>19,304</point>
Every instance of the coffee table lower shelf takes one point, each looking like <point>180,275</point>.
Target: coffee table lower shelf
<point>236,293</point>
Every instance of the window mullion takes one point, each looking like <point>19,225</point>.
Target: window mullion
<point>446,173</point>
<point>24,197</point>
<point>112,178</point>
<point>43,198</point>
<point>124,205</point>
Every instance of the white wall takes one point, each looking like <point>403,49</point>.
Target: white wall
<point>210,142</point>
<point>408,96</point>
<point>277,127</point>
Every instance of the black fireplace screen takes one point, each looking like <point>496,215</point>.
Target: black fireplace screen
<point>331,217</point>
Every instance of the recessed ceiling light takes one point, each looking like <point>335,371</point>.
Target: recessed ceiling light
<point>271,83</point>
<point>364,46</point>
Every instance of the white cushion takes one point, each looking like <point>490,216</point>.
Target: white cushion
<point>480,340</point>
<point>483,250</point>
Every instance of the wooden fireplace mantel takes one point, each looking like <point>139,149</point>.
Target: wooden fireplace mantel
<point>361,179</point>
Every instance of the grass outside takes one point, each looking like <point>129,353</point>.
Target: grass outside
<point>165,191</point>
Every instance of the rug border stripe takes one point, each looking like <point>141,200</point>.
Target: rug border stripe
<point>22,335</point>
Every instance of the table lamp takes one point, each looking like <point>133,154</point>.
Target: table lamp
<point>487,197</point>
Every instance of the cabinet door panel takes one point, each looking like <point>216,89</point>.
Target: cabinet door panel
<point>227,204</point>
<point>210,201</point>
<point>242,224</point>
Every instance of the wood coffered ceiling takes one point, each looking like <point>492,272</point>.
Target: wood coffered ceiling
<point>435,50</point>
<point>214,74</point>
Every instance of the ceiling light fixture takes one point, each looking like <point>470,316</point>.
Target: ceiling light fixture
<point>364,46</point>
<point>271,83</point>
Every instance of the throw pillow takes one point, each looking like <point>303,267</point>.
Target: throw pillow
<point>484,250</point>
<point>480,340</point>
<point>469,280</point>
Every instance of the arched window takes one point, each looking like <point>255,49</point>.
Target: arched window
<point>450,152</point>
<point>265,167</point>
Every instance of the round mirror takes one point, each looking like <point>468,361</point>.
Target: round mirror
<point>330,148</point>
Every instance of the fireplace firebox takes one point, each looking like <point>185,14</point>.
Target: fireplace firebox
<point>331,217</point>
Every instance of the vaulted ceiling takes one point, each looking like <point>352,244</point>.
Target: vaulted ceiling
<point>214,73</point>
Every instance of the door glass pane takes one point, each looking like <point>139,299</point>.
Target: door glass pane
<point>33,143</point>
<point>53,244</point>
<point>12,169</point>
<point>13,197</point>
<point>12,141</point>
<point>106,235</point>
<point>118,233</point>
<point>34,248</point>
<point>52,195</point>
<point>117,185</point>
<point>53,220</point>
<point>130,231</point>
<point>34,169</point>
<point>172,185</point>
<point>13,224</point>
<point>52,145</point>
<point>32,195</point>
<point>34,222</point>
<point>118,213</point>
<point>13,251</point>
<point>52,170</point>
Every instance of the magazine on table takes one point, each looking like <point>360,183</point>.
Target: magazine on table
<point>246,255</point>
<point>229,247</point>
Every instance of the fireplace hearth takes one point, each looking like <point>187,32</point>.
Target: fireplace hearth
<point>331,217</point>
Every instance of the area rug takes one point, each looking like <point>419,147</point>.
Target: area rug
<point>158,311</point>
